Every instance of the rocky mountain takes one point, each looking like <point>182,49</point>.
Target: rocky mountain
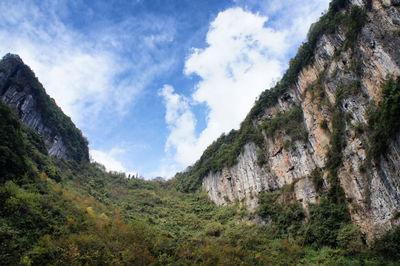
<point>310,178</point>
<point>20,89</point>
<point>328,130</point>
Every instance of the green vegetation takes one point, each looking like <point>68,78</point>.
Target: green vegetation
<point>343,91</point>
<point>290,123</point>
<point>329,220</point>
<point>317,179</point>
<point>225,150</point>
<point>389,245</point>
<point>286,214</point>
<point>222,152</point>
<point>12,147</point>
<point>383,120</point>
<point>70,213</point>
<point>327,24</point>
<point>52,115</point>
<point>57,212</point>
<point>354,24</point>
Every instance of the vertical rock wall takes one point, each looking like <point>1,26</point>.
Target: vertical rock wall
<point>373,196</point>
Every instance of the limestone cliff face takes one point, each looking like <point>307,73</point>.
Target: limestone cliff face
<point>17,90</point>
<point>373,196</point>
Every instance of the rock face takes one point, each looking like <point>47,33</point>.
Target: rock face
<point>17,89</point>
<point>373,196</point>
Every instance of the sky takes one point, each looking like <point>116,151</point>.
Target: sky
<point>152,83</point>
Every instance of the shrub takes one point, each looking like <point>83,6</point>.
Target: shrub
<point>383,120</point>
<point>317,179</point>
<point>350,239</point>
<point>389,245</point>
<point>287,216</point>
<point>290,123</point>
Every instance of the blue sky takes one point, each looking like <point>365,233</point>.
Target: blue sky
<point>151,83</point>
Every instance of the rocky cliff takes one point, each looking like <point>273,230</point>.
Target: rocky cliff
<point>317,122</point>
<point>20,89</point>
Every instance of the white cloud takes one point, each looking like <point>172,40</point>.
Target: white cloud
<point>108,159</point>
<point>181,123</point>
<point>85,73</point>
<point>244,56</point>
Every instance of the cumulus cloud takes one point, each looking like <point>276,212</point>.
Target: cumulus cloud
<point>181,122</point>
<point>108,159</point>
<point>244,55</point>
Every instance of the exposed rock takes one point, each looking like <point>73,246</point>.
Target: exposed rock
<point>19,94</point>
<point>373,196</point>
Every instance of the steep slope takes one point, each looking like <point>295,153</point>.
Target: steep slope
<point>67,212</point>
<point>58,212</point>
<point>328,129</point>
<point>20,89</point>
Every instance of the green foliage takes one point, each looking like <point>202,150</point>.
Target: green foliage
<point>225,150</point>
<point>222,152</point>
<point>356,66</point>
<point>52,115</point>
<point>327,24</point>
<point>290,123</point>
<point>317,179</point>
<point>13,164</point>
<point>354,24</point>
<point>345,90</point>
<point>350,239</point>
<point>324,125</point>
<point>326,220</point>
<point>56,212</point>
<point>330,216</point>
<point>261,158</point>
<point>389,245</point>
<point>70,213</point>
<point>383,120</point>
<point>284,212</point>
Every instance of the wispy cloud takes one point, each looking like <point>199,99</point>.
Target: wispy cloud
<point>95,73</point>
<point>85,73</point>
<point>245,54</point>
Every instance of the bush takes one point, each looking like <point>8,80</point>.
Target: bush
<point>287,216</point>
<point>389,245</point>
<point>326,220</point>
<point>13,151</point>
<point>317,179</point>
<point>214,229</point>
<point>290,123</point>
<point>383,120</point>
<point>350,239</point>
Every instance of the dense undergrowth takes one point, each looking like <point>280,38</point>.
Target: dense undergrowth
<point>55,212</point>
<point>383,119</point>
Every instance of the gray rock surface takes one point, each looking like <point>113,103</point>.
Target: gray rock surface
<point>23,101</point>
<point>374,196</point>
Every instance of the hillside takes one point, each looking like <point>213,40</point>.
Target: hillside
<point>310,178</point>
<point>20,88</point>
<point>328,129</point>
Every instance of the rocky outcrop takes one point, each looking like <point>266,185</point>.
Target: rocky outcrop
<point>373,196</point>
<point>20,89</point>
